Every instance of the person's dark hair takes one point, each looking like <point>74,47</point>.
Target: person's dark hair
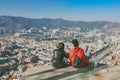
<point>61,46</point>
<point>75,42</point>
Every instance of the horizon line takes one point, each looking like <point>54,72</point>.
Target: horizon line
<point>59,18</point>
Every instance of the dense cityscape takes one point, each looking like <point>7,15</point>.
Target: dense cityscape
<point>22,49</point>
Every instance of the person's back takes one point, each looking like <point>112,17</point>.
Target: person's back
<point>80,53</point>
<point>58,55</point>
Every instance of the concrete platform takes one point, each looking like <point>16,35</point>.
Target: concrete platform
<point>70,73</point>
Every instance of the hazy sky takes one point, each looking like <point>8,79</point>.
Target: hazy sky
<point>82,10</point>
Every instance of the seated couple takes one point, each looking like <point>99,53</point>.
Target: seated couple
<point>76,56</point>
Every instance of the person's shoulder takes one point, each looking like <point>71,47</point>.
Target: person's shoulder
<point>81,48</point>
<point>56,50</point>
<point>72,49</point>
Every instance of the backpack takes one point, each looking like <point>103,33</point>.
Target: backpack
<point>57,58</point>
<point>77,61</point>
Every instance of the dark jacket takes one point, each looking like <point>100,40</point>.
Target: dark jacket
<point>58,56</point>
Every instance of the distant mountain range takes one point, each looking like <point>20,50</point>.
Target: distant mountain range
<point>21,22</point>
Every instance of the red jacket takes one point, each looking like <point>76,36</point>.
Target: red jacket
<point>80,53</point>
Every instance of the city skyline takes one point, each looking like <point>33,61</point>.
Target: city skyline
<point>75,10</point>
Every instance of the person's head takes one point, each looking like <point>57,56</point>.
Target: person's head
<point>75,43</point>
<point>61,46</point>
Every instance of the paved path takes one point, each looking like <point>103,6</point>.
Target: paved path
<point>101,54</point>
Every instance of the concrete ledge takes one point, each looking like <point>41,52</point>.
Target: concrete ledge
<point>69,73</point>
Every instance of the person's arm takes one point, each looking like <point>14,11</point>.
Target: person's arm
<point>66,54</point>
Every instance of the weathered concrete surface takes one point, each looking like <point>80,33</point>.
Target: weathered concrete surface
<point>69,73</point>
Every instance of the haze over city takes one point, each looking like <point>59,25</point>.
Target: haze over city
<point>75,10</point>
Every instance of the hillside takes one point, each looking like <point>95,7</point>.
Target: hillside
<point>21,22</point>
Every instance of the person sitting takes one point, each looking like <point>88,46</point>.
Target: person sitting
<point>58,56</point>
<point>83,61</point>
